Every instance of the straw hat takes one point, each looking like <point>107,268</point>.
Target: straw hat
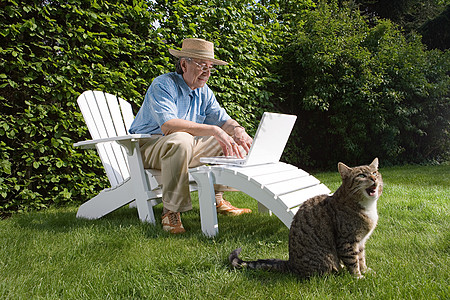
<point>197,48</point>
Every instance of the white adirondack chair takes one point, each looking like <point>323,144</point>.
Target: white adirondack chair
<point>108,119</point>
<point>279,188</point>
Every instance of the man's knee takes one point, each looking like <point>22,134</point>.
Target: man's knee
<point>181,141</point>
<point>181,138</point>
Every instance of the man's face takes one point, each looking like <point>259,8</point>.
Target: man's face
<point>193,74</point>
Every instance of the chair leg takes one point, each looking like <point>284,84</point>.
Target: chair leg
<point>207,201</point>
<point>264,210</point>
<point>145,210</point>
<point>111,199</point>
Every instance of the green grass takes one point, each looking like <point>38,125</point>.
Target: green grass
<point>53,255</point>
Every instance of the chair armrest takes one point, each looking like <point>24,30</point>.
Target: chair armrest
<point>91,143</point>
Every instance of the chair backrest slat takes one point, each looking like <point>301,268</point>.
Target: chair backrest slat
<point>104,114</point>
<point>115,127</point>
<point>83,102</point>
<point>116,115</point>
<point>127,113</point>
<point>103,119</point>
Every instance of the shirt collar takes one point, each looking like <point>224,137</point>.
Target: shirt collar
<point>185,89</point>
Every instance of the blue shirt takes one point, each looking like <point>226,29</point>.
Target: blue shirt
<point>169,97</point>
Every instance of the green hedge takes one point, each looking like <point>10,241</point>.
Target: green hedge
<point>359,91</point>
<point>52,51</point>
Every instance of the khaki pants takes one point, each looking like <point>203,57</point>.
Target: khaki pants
<point>174,154</point>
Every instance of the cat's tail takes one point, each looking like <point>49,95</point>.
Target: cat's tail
<point>265,264</point>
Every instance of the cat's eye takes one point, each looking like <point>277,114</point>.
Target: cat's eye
<point>362,176</point>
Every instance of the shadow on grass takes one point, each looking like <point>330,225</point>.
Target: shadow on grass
<point>273,278</point>
<point>250,227</point>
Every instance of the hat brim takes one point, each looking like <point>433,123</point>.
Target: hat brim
<point>178,53</point>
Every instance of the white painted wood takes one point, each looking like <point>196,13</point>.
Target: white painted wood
<point>108,119</point>
<point>89,144</point>
<point>277,177</point>
<point>208,213</point>
<point>280,188</point>
<point>127,113</point>
<point>109,108</point>
<point>88,106</point>
<point>260,170</point>
<point>289,186</point>
<point>294,199</point>
<point>116,115</point>
<point>104,118</point>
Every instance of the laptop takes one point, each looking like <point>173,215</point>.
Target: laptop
<point>268,144</point>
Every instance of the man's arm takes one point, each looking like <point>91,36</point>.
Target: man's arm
<point>229,136</point>
<point>195,129</point>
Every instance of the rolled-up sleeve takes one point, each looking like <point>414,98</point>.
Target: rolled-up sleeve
<point>162,103</point>
<point>215,114</point>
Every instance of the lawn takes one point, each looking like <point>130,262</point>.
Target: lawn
<point>52,255</point>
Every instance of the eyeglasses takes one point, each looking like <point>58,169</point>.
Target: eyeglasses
<point>202,67</point>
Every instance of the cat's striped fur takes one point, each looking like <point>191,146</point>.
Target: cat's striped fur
<point>329,231</point>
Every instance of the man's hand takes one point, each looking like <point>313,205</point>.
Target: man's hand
<point>229,145</point>
<point>236,137</point>
<point>242,138</point>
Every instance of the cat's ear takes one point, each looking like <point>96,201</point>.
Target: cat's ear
<point>343,169</point>
<point>374,164</point>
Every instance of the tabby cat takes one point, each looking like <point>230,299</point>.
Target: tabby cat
<point>329,231</point>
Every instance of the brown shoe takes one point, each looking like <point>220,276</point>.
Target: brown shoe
<point>171,222</point>
<point>225,208</point>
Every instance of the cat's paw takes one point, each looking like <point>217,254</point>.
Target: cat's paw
<point>358,276</point>
<point>370,271</point>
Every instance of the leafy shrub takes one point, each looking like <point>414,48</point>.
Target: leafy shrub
<point>363,91</point>
<point>52,51</point>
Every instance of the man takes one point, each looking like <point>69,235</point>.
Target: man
<point>188,123</point>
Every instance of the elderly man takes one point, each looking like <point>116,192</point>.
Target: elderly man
<point>187,122</point>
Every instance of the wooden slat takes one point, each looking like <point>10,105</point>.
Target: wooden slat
<point>127,113</point>
<point>295,184</point>
<point>117,123</point>
<point>96,116</point>
<point>89,109</point>
<point>280,176</point>
<point>112,169</point>
<point>298,197</point>
<point>91,143</point>
<point>104,114</point>
<point>259,170</point>
<point>83,100</point>
<point>116,115</point>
